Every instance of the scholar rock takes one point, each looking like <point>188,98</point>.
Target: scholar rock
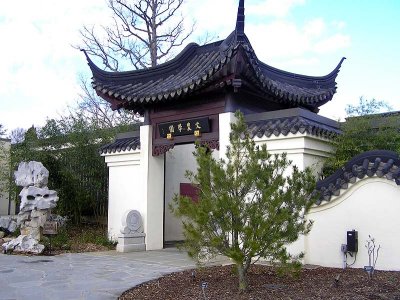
<point>33,198</point>
<point>23,243</point>
<point>22,217</point>
<point>8,223</point>
<point>4,222</point>
<point>33,225</point>
<point>36,202</point>
<point>31,173</point>
<point>13,226</point>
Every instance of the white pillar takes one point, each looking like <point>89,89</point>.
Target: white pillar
<point>153,191</point>
<point>136,181</point>
<point>225,120</point>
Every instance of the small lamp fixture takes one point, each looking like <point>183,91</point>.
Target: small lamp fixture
<point>197,133</point>
<point>170,136</point>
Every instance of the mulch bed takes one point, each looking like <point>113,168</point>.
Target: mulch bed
<point>264,283</point>
<point>77,248</point>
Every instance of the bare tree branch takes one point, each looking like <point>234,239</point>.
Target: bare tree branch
<point>2,130</point>
<point>142,33</point>
<point>207,37</point>
<point>17,135</point>
<point>99,112</point>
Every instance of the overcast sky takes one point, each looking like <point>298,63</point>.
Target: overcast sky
<point>40,69</point>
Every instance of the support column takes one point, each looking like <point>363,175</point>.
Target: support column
<point>153,187</point>
<point>225,120</point>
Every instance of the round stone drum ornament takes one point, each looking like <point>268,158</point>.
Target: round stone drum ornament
<point>132,222</point>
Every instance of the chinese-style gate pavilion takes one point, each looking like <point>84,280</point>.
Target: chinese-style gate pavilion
<point>193,97</point>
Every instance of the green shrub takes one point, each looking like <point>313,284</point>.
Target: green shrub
<point>60,241</point>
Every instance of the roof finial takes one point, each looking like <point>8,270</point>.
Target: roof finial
<point>240,22</point>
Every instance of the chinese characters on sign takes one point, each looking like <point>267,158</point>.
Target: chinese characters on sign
<point>185,127</point>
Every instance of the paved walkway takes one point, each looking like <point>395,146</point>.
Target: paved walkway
<point>97,275</point>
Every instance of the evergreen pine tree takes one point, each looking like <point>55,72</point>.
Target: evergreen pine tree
<point>251,205</point>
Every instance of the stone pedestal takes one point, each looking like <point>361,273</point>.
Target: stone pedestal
<point>131,242</point>
<point>132,237</point>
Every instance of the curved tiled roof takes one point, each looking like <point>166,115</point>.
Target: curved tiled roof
<point>380,163</point>
<point>188,72</point>
<point>212,65</point>
<point>125,142</point>
<point>293,125</point>
<point>296,89</point>
<point>200,66</point>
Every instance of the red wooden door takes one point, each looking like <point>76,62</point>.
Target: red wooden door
<point>189,190</point>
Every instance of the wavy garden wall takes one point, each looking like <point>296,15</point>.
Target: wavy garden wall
<point>365,196</point>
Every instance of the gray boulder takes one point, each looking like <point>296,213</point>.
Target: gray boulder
<point>23,243</point>
<point>31,173</point>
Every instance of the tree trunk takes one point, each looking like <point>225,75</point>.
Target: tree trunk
<point>242,278</point>
<point>153,40</point>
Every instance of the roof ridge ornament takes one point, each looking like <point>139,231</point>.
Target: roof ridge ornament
<point>87,56</point>
<point>340,63</point>
<point>240,22</point>
<point>91,64</point>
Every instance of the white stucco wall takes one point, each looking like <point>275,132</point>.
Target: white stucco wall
<point>136,181</point>
<point>304,151</point>
<point>125,188</point>
<point>371,206</point>
<point>178,160</point>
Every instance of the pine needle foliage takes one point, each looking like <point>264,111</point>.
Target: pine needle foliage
<point>250,205</point>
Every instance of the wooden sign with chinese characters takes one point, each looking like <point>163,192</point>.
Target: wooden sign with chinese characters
<point>50,228</point>
<point>184,127</point>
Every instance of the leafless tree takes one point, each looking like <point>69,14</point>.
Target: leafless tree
<point>17,135</point>
<point>2,130</point>
<point>99,111</point>
<point>143,32</point>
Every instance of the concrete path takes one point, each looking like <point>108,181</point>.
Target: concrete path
<point>96,275</point>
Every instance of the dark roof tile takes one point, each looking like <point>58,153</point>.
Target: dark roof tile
<point>123,142</point>
<point>380,163</point>
<point>199,66</point>
<point>293,124</point>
